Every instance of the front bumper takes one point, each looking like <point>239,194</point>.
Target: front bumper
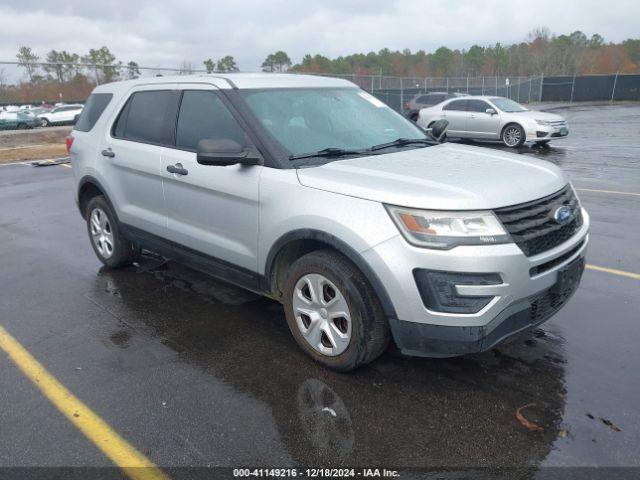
<point>525,280</point>
<point>546,132</point>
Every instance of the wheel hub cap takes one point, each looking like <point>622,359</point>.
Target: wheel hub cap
<point>322,314</point>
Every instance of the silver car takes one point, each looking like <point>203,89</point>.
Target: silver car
<point>312,192</point>
<point>495,118</point>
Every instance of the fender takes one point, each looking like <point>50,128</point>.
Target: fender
<point>96,183</point>
<point>340,246</point>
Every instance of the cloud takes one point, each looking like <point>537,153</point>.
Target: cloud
<point>166,33</point>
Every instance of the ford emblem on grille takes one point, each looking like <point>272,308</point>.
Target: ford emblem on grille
<point>563,214</point>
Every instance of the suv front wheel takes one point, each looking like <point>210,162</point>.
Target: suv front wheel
<point>333,312</point>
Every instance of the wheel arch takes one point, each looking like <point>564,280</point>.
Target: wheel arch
<point>297,243</point>
<point>89,187</point>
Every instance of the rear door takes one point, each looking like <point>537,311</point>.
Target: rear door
<point>455,112</point>
<point>211,209</point>
<point>131,156</point>
<point>481,124</point>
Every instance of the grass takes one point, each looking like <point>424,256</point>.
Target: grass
<point>37,144</point>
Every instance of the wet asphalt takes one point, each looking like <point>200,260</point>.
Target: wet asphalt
<point>196,372</point>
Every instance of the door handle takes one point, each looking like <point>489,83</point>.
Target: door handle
<point>177,169</point>
<point>108,153</point>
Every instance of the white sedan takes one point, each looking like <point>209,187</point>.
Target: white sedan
<point>495,118</point>
<point>61,115</point>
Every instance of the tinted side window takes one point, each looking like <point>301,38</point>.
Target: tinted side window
<point>203,115</point>
<point>96,103</point>
<point>456,105</point>
<point>144,118</point>
<point>477,106</point>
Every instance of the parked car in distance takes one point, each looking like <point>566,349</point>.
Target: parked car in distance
<point>34,112</point>
<point>17,120</point>
<point>64,114</point>
<point>313,192</point>
<point>425,100</point>
<point>495,118</point>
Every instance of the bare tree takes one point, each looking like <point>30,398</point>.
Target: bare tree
<point>3,83</point>
<point>28,60</point>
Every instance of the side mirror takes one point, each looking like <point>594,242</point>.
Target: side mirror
<point>224,152</point>
<point>438,130</point>
<point>490,111</point>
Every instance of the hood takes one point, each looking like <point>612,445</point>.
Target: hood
<point>537,115</point>
<point>443,177</point>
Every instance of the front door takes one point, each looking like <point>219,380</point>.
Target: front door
<point>211,209</point>
<point>481,124</point>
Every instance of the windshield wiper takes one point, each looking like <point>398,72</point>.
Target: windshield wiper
<point>328,152</point>
<point>400,142</point>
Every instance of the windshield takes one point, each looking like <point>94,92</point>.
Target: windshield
<point>309,120</point>
<point>507,105</point>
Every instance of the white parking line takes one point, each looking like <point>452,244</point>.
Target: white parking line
<point>26,163</point>
<point>614,192</point>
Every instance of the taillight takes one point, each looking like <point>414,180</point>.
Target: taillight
<point>69,141</point>
<point>407,105</point>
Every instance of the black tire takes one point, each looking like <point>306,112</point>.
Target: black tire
<point>123,253</point>
<point>508,140</point>
<point>369,325</point>
<point>44,122</point>
<point>22,126</point>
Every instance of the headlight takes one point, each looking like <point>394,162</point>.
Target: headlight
<point>445,230</point>
<point>546,123</point>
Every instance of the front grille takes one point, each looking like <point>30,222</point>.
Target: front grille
<point>559,123</point>
<point>532,225</point>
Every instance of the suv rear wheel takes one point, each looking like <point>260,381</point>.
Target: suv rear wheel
<point>108,243</point>
<point>332,311</point>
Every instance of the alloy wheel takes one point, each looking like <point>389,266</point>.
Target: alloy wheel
<point>101,232</point>
<point>512,136</point>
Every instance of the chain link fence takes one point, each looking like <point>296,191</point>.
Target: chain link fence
<point>396,91</point>
<point>73,82</point>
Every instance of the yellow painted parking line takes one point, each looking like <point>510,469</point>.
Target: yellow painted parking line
<point>614,192</point>
<point>134,464</point>
<point>614,271</point>
<point>68,165</point>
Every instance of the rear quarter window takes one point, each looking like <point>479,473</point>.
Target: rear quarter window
<point>148,117</point>
<point>96,104</point>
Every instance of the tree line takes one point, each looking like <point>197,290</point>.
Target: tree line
<point>541,53</point>
<point>75,75</point>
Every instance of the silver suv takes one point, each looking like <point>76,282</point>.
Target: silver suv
<point>312,192</point>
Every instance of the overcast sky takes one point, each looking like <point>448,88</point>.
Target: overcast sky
<point>165,33</point>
